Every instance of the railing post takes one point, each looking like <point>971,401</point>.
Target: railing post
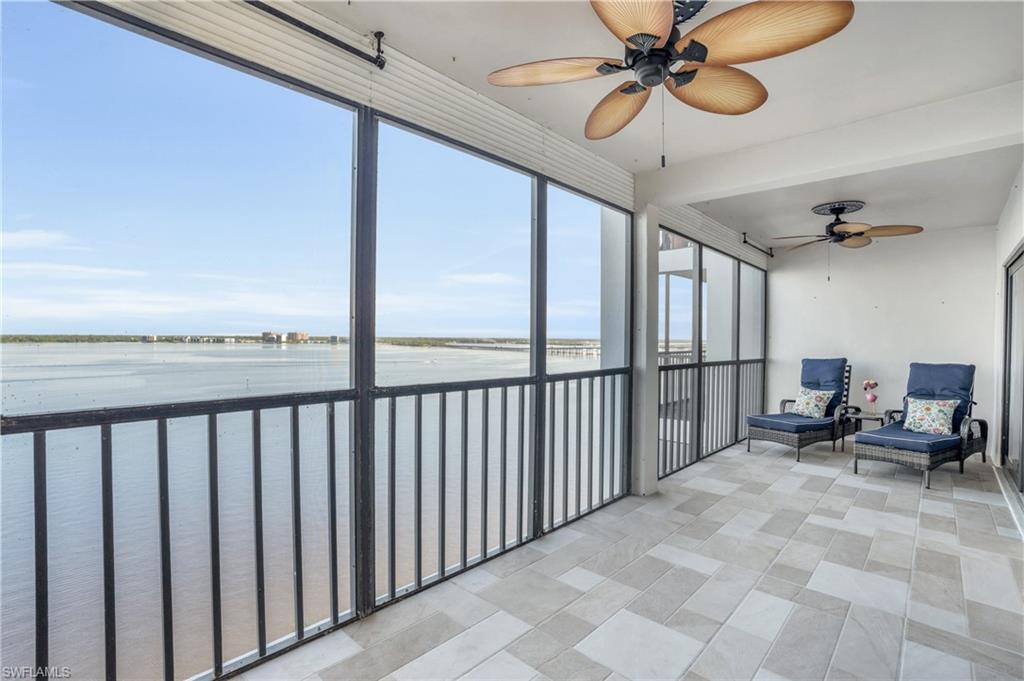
<point>538,352</point>
<point>363,334</point>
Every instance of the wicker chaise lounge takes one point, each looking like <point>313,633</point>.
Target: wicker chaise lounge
<point>925,451</point>
<point>799,431</point>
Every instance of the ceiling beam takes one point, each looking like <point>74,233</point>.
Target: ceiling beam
<point>978,121</point>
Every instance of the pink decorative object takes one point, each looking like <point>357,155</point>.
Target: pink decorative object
<point>871,397</point>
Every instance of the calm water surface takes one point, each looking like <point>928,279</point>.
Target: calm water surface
<point>57,377</point>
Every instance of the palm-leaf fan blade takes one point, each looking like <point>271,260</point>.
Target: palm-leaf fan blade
<point>551,71</point>
<point>859,241</point>
<point>893,230</point>
<point>761,30</point>
<point>616,110</point>
<point>851,228</point>
<point>808,243</point>
<point>641,24</point>
<point>717,89</point>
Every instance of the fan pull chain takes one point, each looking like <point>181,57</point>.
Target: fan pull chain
<point>828,262</point>
<point>662,127</point>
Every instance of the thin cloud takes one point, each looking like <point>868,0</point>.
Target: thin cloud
<point>35,238</point>
<point>52,270</point>
<point>101,304</point>
<point>483,279</point>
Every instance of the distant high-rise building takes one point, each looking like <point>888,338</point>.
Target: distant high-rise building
<point>298,336</point>
<point>272,337</point>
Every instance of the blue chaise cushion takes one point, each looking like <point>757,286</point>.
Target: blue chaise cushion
<point>825,374</point>
<point>943,382</point>
<point>790,423</point>
<point>893,435</point>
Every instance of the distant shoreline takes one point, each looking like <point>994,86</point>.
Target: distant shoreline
<point>404,341</point>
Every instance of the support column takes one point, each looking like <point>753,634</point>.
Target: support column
<point>645,351</point>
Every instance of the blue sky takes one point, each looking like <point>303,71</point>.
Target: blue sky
<point>147,190</point>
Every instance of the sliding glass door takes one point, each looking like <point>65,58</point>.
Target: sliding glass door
<point>1013,390</point>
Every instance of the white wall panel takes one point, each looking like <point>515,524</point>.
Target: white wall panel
<point>405,89</point>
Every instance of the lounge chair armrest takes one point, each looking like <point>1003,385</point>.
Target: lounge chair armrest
<point>784,403</point>
<point>843,410</point>
<point>893,415</point>
<point>968,433</point>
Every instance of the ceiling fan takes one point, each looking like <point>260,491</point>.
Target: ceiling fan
<point>705,80</point>
<point>848,234</point>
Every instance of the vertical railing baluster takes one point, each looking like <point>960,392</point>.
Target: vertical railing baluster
<point>484,453</point>
<point>502,494</point>
<point>442,445</point>
<point>214,504</point>
<point>485,417</point>
<point>165,548</point>
<point>42,564</point>
<point>590,444</point>
<point>418,491</point>
<point>565,452</point>
<point>662,423</point>
<point>678,408</point>
<point>673,412</point>
<point>579,445</point>
<point>332,508</point>
<point>257,512</point>
<point>521,452</point>
<point>109,611</point>
<point>600,444</point>
<point>624,433</point>
<point>392,412</point>
<point>551,457</point>
<point>296,480</point>
<point>612,440</point>
<point>464,501</point>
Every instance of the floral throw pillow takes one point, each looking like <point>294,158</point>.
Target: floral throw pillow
<point>812,403</point>
<point>930,416</point>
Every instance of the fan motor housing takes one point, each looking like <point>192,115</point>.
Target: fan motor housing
<point>652,69</point>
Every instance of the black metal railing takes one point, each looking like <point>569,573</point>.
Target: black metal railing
<point>173,431</point>
<point>587,431</point>
<point>457,475</point>
<point>702,409</point>
<point>677,405</point>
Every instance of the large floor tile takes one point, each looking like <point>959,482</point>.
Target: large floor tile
<point>638,648</point>
<point>530,596</point>
<point>761,615</point>
<point>860,587</point>
<point>804,647</point>
<point>733,654</point>
<point>869,647</point>
<point>461,653</point>
<point>501,667</point>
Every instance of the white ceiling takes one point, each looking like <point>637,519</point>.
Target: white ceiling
<point>892,56</point>
<point>959,191</point>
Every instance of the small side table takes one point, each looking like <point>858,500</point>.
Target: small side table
<point>860,417</point>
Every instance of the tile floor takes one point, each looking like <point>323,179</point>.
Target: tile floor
<point>744,566</point>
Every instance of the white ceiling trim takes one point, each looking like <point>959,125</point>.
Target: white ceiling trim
<point>974,122</point>
<point>405,88</point>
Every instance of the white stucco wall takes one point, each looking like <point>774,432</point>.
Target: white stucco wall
<point>924,298</point>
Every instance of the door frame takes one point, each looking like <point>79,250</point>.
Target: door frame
<point>1015,265</point>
